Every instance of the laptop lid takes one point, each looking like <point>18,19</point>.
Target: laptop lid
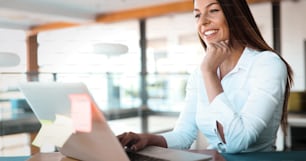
<point>50,99</point>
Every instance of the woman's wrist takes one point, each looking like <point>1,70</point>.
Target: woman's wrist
<point>156,140</point>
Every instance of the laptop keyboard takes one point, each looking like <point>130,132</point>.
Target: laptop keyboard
<point>139,157</point>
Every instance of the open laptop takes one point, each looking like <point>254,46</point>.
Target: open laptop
<point>50,99</point>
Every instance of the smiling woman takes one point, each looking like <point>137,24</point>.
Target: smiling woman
<point>237,97</point>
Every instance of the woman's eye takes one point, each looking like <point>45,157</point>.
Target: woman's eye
<point>197,15</point>
<point>214,10</point>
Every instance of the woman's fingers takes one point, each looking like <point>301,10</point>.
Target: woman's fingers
<point>216,53</point>
<point>133,141</point>
<point>130,140</point>
<point>137,146</point>
<point>221,46</point>
<point>126,139</point>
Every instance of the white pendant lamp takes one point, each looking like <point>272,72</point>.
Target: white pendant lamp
<point>110,49</point>
<point>8,59</point>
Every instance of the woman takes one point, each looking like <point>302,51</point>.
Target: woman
<point>238,96</point>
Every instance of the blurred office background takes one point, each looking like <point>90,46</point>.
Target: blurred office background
<point>137,94</point>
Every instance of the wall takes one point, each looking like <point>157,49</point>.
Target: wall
<point>262,13</point>
<point>293,28</point>
<point>293,37</point>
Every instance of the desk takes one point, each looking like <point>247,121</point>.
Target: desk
<point>256,156</point>
<point>267,156</point>
<point>20,123</point>
<point>19,158</point>
<point>56,156</point>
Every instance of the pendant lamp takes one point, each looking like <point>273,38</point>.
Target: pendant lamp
<point>8,59</point>
<point>110,49</point>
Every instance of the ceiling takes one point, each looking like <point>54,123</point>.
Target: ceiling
<point>26,14</point>
<point>33,15</point>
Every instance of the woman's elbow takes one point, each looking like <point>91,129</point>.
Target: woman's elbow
<point>238,145</point>
<point>233,149</point>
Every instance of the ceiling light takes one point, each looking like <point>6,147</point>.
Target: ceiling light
<point>110,49</point>
<point>8,59</point>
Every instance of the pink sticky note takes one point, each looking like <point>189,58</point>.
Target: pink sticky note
<point>81,113</point>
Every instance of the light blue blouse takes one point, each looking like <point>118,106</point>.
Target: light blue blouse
<point>249,109</point>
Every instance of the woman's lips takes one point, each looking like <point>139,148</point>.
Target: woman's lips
<point>210,34</point>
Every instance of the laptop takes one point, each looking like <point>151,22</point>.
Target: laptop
<point>48,99</point>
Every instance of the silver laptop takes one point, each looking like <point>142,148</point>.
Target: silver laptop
<point>49,99</point>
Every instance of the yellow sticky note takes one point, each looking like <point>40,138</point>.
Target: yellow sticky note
<point>81,113</point>
<point>41,138</point>
<point>55,133</point>
<point>45,122</point>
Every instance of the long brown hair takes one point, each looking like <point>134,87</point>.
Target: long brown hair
<point>244,29</point>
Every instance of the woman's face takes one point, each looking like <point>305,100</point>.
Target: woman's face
<point>210,20</point>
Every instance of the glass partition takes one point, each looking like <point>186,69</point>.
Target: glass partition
<point>67,55</point>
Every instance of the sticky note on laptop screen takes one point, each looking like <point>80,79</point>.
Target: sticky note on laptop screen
<point>81,113</point>
<point>54,133</point>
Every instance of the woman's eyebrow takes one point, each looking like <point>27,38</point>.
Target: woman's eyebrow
<point>210,4</point>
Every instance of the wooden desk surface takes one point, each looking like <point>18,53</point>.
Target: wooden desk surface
<point>255,156</point>
<point>56,156</point>
<point>216,156</point>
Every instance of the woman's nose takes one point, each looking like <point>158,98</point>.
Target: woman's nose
<point>204,20</point>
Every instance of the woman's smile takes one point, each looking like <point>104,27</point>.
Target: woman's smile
<point>210,34</point>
